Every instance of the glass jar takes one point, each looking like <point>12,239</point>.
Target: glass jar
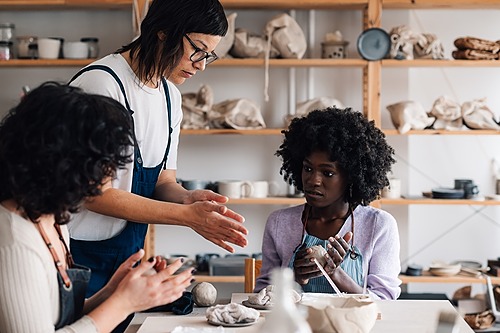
<point>23,47</point>
<point>92,42</point>
<point>7,32</point>
<point>6,50</point>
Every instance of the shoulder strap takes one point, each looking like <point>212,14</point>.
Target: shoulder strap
<point>169,114</point>
<point>112,73</point>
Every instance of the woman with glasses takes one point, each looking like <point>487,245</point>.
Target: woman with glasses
<point>177,40</point>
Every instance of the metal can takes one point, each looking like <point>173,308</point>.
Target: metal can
<point>6,50</point>
<point>7,32</point>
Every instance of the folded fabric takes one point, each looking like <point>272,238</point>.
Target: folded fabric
<point>471,54</point>
<point>231,313</point>
<point>474,43</point>
<point>182,306</point>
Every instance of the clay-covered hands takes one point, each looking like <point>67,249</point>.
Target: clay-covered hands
<point>304,266</point>
<point>140,289</point>
<point>214,221</point>
<point>337,248</point>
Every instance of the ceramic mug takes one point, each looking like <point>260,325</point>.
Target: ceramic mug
<point>470,189</point>
<point>48,48</point>
<point>235,188</point>
<point>263,189</point>
<point>393,191</point>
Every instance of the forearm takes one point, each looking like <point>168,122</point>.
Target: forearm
<point>345,282</point>
<point>109,314</point>
<point>96,300</point>
<point>131,207</point>
<point>171,192</point>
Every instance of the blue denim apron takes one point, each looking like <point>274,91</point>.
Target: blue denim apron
<point>72,284</point>
<point>105,256</point>
<point>352,263</point>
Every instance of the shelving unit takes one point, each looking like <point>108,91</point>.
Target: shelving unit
<point>372,11</point>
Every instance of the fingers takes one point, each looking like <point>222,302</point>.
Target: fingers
<point>233,215</point>
<point>212,196</point>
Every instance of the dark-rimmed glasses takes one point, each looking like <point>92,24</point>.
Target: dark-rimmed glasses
<point>198,54</point>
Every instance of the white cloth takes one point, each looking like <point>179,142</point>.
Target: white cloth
<point>151,130</point>
<point>29,294</point>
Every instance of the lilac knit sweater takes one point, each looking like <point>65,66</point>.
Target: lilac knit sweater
<point>375,235</point>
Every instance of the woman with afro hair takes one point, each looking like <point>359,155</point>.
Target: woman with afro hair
<point>340,161</point>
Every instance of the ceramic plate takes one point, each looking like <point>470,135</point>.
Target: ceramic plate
<point>374,44</point>
<point>256,306</point>
<point>447,193</point>
<point>215,323</point>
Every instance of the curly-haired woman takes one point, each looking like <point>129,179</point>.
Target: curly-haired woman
<point>57,148</point>
<point>340,161</point>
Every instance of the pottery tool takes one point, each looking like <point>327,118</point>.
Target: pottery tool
<point>330,281</point>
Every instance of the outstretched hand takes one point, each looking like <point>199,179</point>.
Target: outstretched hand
<point>217,223</point>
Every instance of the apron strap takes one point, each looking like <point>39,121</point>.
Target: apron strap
<point>112,73</point>
<point>57,262</point>
<point>169,114</point>
<point>122,89</point>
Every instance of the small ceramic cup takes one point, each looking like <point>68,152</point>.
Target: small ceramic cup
<point>393,191</point>
<point>48,48</point>
<point>235,188</point>
<point>263,189</point>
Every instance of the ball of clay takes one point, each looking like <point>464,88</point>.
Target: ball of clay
<point>204,294</point>
<point>318,252</point>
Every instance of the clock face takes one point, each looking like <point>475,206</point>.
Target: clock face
<point>374,44</point>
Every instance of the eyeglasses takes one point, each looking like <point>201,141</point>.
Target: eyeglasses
<point>198,54</point>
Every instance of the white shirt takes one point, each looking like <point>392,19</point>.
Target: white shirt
<point>29,292</point>
<point>151,130</point>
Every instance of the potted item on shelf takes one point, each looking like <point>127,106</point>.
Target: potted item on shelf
<point>334,46</point>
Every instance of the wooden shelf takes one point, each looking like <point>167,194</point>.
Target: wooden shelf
<point>220,279</point>
<point>257,62</point>
<point>294,4</point>
<point>430,201</point>
<point>267,201</point>
<point>45,62</point>
<point>427,278</point>
<point>442,132</point>
<point>264,131</point>
<point>63,4</point>
<point>440,63</point>
<point>253,62</point>
<point>435,4</point>
<point>228,4</point>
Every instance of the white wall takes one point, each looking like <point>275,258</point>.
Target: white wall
<point>427,232</point>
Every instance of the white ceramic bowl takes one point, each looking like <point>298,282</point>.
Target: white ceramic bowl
<point>75,50</point>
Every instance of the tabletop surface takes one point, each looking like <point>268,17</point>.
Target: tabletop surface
<point>409,316</point>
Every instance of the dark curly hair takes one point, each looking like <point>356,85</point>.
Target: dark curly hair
<point>57,146</point>
<point>350,139</point>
